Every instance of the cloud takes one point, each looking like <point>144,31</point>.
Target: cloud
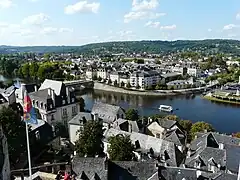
<point>230,26</point>
<point>138,5</point>
<point>6,3</point>
<point>209,30</point>
<point>141,15</point>
<point>124,33</point>
<point>48,30</point>
<point>82,7</point>
<point>36,19</point>
<point>171,27</point>
<point>33,0</point>
<point>152,24</point>
<point>238,16</point>
<point>65,30</point>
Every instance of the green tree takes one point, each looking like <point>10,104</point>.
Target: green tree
<point>115,83</point>
<point>90,139</point>
<point>187,125</point>
<point>121,148</point>
<point>122,84</point>
<point>33,69</point>
<point>128,85</point>
<point>94,77</point>
<point>200,127</point>
<point>81,103</point>
<point>109,82</point>
<point>25,70</point>
<point>237,135</point>
<point>99,78</point>
<point>132,114</point>
<point>172,117</point>
<point>14,130</point>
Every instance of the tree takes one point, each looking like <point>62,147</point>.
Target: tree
<point>187,125</point>
<point>75,67</point>
<point>200,127</point>
<point>33,69</point>
<point>109,82</point>
<point>115,83</point>
<point>172,117</point>
<point>25,70</point>
<point>121,148</point>
<point>90,140</point>
<point>128,85</point>
<point>122,84</point>
<point>14,130</point>
<point>81,103</point>
<point>237,135</point>
<point>99,78</point>
<point>132,114</point>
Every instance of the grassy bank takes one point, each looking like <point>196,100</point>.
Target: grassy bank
<point>220,100</point>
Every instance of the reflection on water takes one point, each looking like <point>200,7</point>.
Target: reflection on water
<point>224,117</point>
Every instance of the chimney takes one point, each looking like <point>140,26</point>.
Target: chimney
<point>49,92</point>
<point>53,130</point>
<point>105,163</point>
<point>129,127</point>
<point>221,145</point>
<point>53,97</point>
<point>95,117</point>
<point>199,173</point>
<point>189,152</point>
<point>23,88</point>
<point>68,95</point>
<point>35,88</point>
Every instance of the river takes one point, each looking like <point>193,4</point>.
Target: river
<point>225,118</point>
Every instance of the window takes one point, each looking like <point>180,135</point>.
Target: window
<point>41,105</point>
<point>52,118</point>
<point>51,106</point>
<point>45,106</point>
<point>37,103</point>
<point>157,135</point>
<point>64,112</point>
<point>197,164</point>
<point>63,101</point>
<point>73,99</point>
<point>37,134</point>
<point>74,110</point>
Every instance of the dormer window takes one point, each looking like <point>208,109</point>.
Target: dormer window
<point>63,102</point>
<point>41,105</point>
<point>45,106</point>
<point>51,106</point>
<point>37,103</point>
<point>73,99</point>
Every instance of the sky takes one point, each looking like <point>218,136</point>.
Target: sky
<point>79,22</point>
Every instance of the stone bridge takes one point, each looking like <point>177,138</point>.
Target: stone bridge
<point>79,85</point>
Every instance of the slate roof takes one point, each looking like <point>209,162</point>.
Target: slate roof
<point>222,138</point>
<point>117,124</point>
<point>204,154</point>
<point>76,119</point>
<point>89,167</point>
<point>232,157</point>
<point>40,95</point>
<point>176,137</point>
<point>55,85</point>
<point>225,176</point>
<point>176,173</point>
<point>165,123</point>
<point>107,112</point>
<point>159,146</point>
<point>130,170</point>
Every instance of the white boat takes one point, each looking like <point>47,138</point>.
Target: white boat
<point>166,108</point>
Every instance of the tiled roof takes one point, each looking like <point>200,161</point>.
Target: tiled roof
<point>41,95</point>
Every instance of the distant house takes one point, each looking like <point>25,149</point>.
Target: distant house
<point>76,124</point>
<point>169,130</point>
<point>148,146</point>
<point>41,134</point>
<point>126,125</point>
<point>107,112</point>
<point>55,102</point>
<point>170,77</point>
<point>8,94</point>
<point>214,153</point>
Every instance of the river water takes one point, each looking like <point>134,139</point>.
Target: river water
<point>225,118</point>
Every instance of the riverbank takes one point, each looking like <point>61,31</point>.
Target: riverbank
<point>105,87</point>
<point>220,100</point>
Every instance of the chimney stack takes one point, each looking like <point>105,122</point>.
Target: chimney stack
<point>68,95</point>
<point>53,97</point>
<point>35,88</point>
<point>129,127</point>
<point>95,117</point>
<point>49,92</point>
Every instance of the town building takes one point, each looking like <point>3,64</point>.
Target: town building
<point>55,102</point>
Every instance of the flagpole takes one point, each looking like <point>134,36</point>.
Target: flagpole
<point>238,178</point>
<point>29,155</point>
